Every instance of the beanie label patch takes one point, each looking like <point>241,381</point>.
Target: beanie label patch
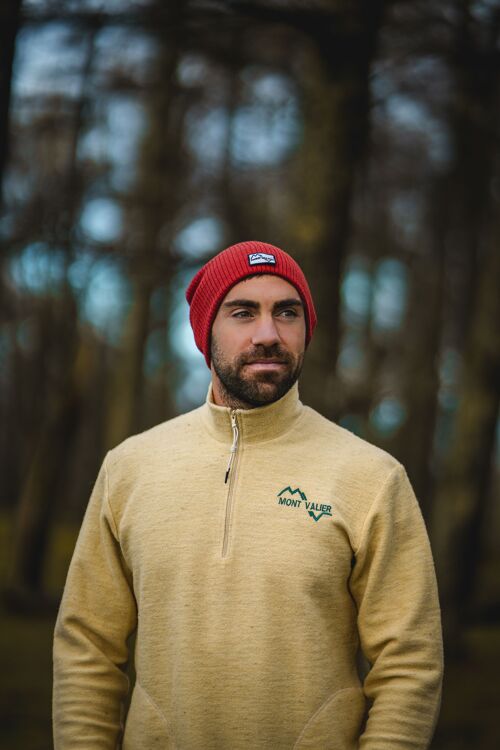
<point>260,259</point>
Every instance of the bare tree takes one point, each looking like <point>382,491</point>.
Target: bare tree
<point>57,429</point>
<point>464,492</point>
<point>10,16</point>
<point>157,196</point>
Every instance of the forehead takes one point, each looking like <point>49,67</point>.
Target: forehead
<point>262,289</point>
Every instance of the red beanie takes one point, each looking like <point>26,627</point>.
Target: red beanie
<point>213,281</point>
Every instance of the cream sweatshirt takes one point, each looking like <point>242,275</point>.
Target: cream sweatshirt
<point>251,598</point>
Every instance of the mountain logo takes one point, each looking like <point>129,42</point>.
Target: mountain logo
<point>261,259</point>
<point>295,498</point>
<point>288,491</point>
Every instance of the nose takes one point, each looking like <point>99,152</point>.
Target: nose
<point>265,331</point>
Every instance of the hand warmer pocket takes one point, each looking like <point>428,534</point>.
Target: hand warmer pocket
<point>146,727</point>
<point>336,725</point>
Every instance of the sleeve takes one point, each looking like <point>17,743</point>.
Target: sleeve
<point>97,615</point>
<point>394,585</point>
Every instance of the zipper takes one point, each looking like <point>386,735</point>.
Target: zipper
<point>229,480</point>
<point>234,446</point>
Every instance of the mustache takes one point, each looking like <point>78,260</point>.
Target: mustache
<point>261,353</point>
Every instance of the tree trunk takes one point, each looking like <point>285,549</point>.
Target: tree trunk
<point>423,334</point>
<point>337,107</point>
<point>10,14</point>
<point>158,196</point>
<point>463,494</point>
<point>47,466</point>
<point>38,496</point>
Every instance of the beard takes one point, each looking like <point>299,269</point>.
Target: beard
<point>255,389</point>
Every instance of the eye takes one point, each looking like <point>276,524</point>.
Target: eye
<point>241,314</point>
<point>288,312</point>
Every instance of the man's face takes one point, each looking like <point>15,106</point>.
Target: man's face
<point>258,342</point>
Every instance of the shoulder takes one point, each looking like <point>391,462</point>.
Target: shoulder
<point>347,448</point>
<point>145,447</point>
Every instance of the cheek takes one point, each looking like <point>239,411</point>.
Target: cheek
<point>295,339</point>
<point>230,339</point>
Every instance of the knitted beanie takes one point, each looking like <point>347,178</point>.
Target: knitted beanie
<point>213,281</point>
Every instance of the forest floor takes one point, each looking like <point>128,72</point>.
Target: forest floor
<point>469,718</point>
<point>26,649</point>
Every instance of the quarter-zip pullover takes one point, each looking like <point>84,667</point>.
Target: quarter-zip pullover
<point>255,553</point>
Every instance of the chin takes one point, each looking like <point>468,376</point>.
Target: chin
<point>268,392</point>
<point>265,387</point>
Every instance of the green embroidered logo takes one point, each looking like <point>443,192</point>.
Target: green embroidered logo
<point>297,499</point>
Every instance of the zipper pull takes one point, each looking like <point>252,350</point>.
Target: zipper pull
<point>234,446</point>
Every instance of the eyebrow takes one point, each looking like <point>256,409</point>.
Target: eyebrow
<point>250,303</point>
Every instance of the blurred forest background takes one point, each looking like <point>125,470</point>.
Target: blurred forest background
<point>140,137</point>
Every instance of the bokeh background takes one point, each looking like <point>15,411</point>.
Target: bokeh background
<point>138,138</point>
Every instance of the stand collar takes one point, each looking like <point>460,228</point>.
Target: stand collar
<point>255,425</point>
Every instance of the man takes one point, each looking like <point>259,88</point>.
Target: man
<point>256,549</point>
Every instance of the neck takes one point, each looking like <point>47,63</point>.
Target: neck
<point>255,425</point>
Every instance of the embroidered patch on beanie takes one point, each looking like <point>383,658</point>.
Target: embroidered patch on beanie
<point>260,259</point>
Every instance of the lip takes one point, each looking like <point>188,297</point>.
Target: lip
<point>266,364</point>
